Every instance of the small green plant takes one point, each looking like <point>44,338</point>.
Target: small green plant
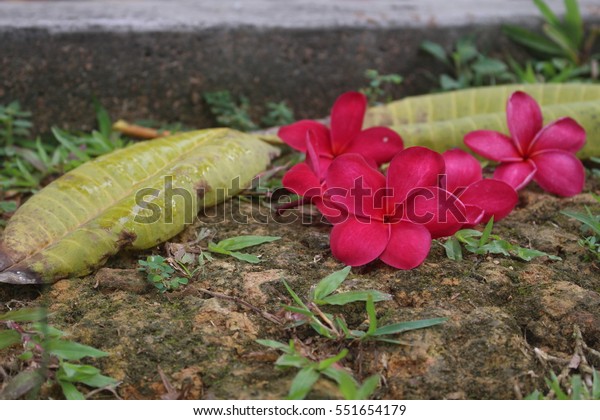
<point>235,113</point>
<point>230,112</point>
<point>6,207</point>
<point>379,84</point>
<point>48,357</point>
<point>310,372</point>
<point>565,50</point>
<point>562,38</point>
<point>577,389</point>
<point>14,125</point>
<point>469,67</point>
<point>322,294</point>
<point>230,247</point>
<point>555,70</point>
<point>590,228</point>
<point>483,243</point>
<point>160,274</point>
<point>27,163</point>
<point>334,326</point>
<point>278,114</point>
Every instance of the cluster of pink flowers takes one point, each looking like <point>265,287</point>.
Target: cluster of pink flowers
<point>423,195</point>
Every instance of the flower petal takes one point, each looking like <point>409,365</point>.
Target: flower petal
<point>301,180</point>
<point>524,118</point>
<point>331,211</point>
<point>411,169</point>
<point>408,245</point>
<point>563,134</point>
<point>559,172</point>
<point>295,136</point>
<point>441,212</point>
<point>474,215</point>
<point>356,186</point>
<point>377,143</point>
<point>515,174</point>
<point>493,145</point>
<point>495,198</point>
<point>462,170</point>
<point>317,163</point>
<point>347,117</point>
<point>356,242</point>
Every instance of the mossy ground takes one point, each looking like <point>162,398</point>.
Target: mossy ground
<point>499,310</point>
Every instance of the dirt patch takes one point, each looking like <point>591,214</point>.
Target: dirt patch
<point>499,310</point>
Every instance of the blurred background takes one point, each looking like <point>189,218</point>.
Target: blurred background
<point>158,60</point>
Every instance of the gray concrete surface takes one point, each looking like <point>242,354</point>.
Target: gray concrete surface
<point>154,59</point>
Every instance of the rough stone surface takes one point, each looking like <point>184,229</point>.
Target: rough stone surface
<point>154,60</point>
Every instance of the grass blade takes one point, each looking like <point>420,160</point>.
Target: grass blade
<point>24,315</point>
<point>573,23</point>
<point>355,296</point>
<point>372,317</point>
<point>485,236</point>
<point>303,383</point>
<point>330,283</point>
<point>453,249</point>
<point>9,338</point>
<point>240,242</point>
<point>253,259</point>
<point>549,15</point>
<point>368,387</point>
<point>532,40</point>
<point>275,345</point>
<point>408,326</point>
<point>295,296</point>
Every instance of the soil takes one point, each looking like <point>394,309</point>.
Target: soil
<point>500,309</point>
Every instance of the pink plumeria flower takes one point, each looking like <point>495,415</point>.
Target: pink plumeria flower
<point>307,180</point>
<point>544,154</point>
<point>391,217</point>
<point>377,145</point>
<point>483,198</point>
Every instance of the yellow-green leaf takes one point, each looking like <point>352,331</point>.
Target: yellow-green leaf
<point>133,198</point>
<point>440,121</point>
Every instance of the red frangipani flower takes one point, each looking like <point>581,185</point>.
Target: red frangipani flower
<point>390,217</point>
<point>483,198</point>
<point>377,145</point>
<point>307,180</point>
<point>544,154</point>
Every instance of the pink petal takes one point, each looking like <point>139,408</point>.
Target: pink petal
<point>474,215</point>
<point>441,212</point>
<point>559,172</point>
<point>408,245</point>
<point>524,118</point>
<point>295,136</point>
<point>411,169</point>
<point>347,117</point>
<point>355,242</point>
<point>563,134</point>
<point>495,198</point>
<point>330,210</point>
<point>380,144</point>
<point>356,186</point>
<point>462,170</point>
<point>515,174</point>
<point>319,164</point>
<point>493,145</point>
<point>301,180</point>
